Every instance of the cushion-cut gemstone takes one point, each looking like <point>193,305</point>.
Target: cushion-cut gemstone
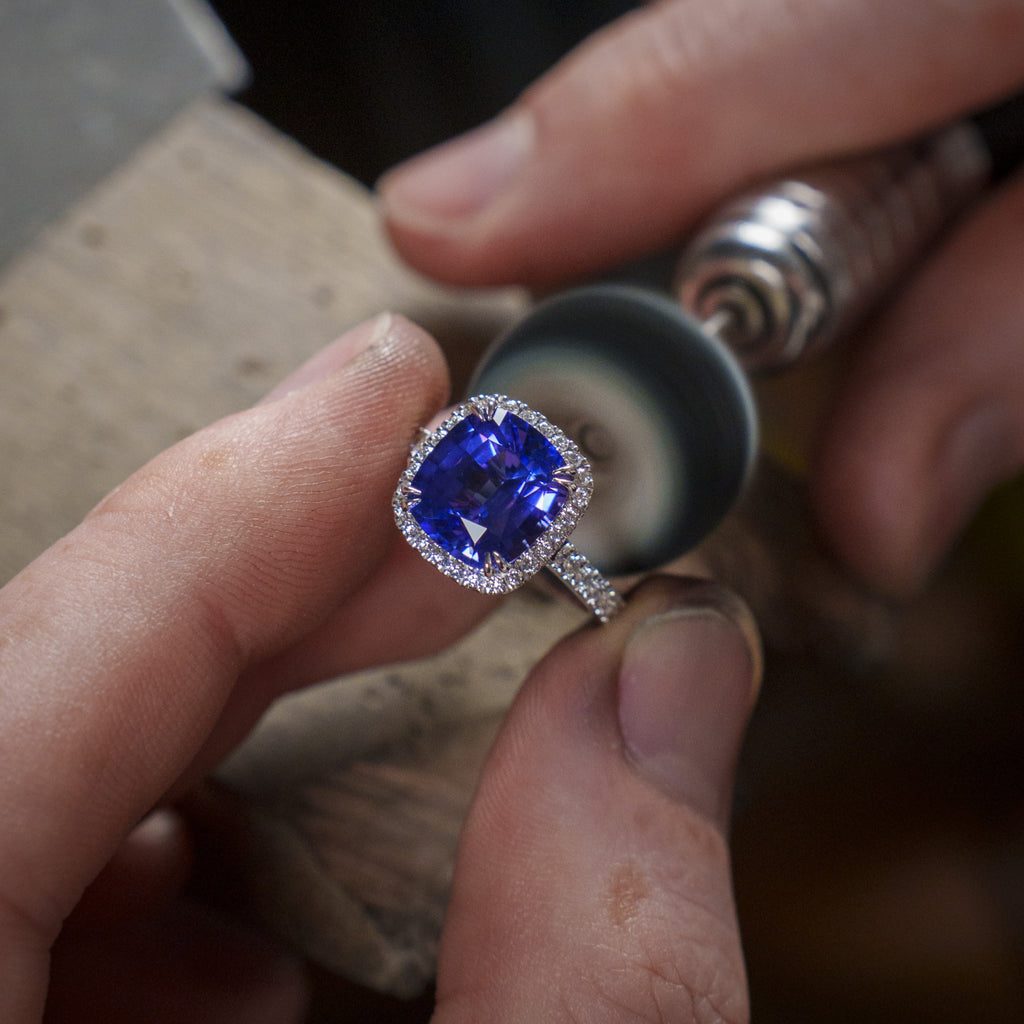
<point>488,487</point>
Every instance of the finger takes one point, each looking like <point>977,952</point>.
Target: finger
<point>592,880</point>
<point>120,646</point>
<point>932,415</point>
<point>614,152</point>
<point>406,610</point>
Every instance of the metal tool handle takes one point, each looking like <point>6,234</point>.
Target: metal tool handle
<point>784,270</point>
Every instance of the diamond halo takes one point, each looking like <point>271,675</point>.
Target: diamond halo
<point>564,482</point>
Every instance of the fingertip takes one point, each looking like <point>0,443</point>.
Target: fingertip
<point>404,343</point>
<point>332,358</point>
<point>459,178</point>
<point>389,338</point>
<point>686,685</point>
<point>660,695</point>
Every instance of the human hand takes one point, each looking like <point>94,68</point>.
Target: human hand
<point>621,147</point>
<point>258,555</point>
<point>592,881</point>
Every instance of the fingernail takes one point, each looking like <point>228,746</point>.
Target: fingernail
<point>459,178</point>
<point>332,358</point>
<point>686,687</point>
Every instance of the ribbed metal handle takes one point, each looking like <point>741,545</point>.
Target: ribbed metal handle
<point>784,270</point>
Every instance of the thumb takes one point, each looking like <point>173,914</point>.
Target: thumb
<point>615,151</point>
<point>592,881</point>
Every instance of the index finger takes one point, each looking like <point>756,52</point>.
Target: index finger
<point>120,646</point>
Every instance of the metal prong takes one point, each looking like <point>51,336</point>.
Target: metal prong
<point>566,474</point>
<point>494,563</point>
<point>410,497</point>
<point>484,408</point>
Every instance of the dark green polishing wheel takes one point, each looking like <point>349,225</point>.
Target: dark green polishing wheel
<point>661,408</point>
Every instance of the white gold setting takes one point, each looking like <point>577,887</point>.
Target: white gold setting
<point>551,549</point>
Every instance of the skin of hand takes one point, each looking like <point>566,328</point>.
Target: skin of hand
<point>260,554</point>
<point>621,147</point>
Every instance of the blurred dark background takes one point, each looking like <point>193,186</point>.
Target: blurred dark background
<point>364,85</point>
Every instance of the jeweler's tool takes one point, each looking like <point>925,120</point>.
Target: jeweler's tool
<point>655,394</point>
<point>784,270</point>
<point>661,410</point>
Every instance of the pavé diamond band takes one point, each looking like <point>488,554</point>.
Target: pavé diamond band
<point>491,496</point>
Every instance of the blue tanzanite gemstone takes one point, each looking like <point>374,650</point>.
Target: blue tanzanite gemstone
<point>488,488</point>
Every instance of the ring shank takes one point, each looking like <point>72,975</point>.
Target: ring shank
<point>585,582</point>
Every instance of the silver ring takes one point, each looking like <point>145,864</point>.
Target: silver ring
<point>491,496</point>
